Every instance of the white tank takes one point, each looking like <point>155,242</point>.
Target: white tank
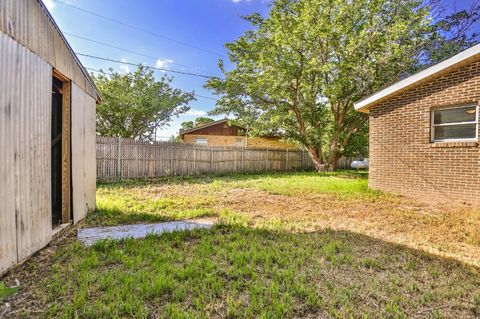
<point>360,164</point>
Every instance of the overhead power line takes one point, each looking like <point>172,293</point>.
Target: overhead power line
<point>110,73</point>
<point>123,49</point>
<point>138,28</point>
<point>147,66</point>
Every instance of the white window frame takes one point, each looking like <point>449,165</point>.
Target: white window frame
<point>203,139</point>
<point>432,125</point>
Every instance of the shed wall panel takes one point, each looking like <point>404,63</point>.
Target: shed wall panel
<point>78,154</point>
<point>90,158</point>
<point>26,109</point>
<point>32,153</point>
<point>30,46</point>
<point>8,238</point>
<point>28,23</point>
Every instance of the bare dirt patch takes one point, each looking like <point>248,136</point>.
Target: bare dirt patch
<point>446,230</point>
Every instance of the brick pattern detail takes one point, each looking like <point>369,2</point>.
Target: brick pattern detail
<point>402,158</point>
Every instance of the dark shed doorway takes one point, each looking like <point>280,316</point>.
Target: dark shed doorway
<point>56,157</point>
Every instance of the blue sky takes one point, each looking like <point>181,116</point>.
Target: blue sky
<point>206,24</point>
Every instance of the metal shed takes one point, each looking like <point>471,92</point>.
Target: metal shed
<point>47,131</point>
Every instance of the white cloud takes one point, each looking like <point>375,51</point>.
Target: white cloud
<point>125,67</point>
<point>49,4</point>
<point>162,63</point>
<point>195,112</point>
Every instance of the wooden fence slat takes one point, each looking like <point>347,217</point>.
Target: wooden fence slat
<point>126,158</point>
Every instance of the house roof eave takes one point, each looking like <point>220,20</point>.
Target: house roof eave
<point>190,130</point>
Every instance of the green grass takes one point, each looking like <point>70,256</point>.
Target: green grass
<point>345,184</point>
<point>334,181</point>
<point>237,272</point>
<point>134,201</point>
<point>121,205</point>
<point>273,270</point>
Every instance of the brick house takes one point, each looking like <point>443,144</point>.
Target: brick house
<point>221,133</point>
<point>424,132</point>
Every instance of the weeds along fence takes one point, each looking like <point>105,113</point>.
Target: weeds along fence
<point>119,158</point>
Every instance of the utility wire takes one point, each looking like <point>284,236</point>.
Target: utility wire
<point>138,28</point>
<point>147,66</point>
<point>110,73</point>
<point>123,49</point>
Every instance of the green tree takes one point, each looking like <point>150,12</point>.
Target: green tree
<point>202,120</point>
<point>135,104</point>
<point>199,121</point>
<point>187,125</point>
<point>451,33</point>
<point>300,70</point>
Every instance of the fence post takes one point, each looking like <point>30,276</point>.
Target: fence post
<point>155,155</point>
<point>243,159</point>
<point>286,161</point>
<point>301,163</point>
<point>119,155</point>
<point>266,159</point>
<point>194,161</point>
<point>170,154</point>
<point>236,160</point>
<point>211,160</point>
<point>137,162</point>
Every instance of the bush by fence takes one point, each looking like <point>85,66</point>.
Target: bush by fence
<point>125,158</point>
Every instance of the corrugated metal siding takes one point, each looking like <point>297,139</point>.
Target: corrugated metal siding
<point>83,153</point>
<point>78,153</point>
<point>90,158</point>
<point>26,22</point>
<point>30,46</point>
<point>25,86</point>
<point>8,239</point>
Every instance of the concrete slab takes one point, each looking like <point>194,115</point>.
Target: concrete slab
<point>90,235</point>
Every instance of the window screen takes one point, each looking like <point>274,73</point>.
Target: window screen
<point>201,141</point>
<point>455,123</point>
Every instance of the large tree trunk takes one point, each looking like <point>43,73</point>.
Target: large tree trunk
<point>333,160</point>
<point>317,160</point>
<point>338,145</point>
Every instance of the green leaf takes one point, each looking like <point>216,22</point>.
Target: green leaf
<point>7,291</point>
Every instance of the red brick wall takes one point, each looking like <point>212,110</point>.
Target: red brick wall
<point>402,158</point>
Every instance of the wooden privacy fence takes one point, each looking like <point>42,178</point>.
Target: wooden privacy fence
<point>345,162</point>
<point>125,158</point>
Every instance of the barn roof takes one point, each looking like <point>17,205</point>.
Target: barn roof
<point>455,62</point>
<point>77,60</point>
